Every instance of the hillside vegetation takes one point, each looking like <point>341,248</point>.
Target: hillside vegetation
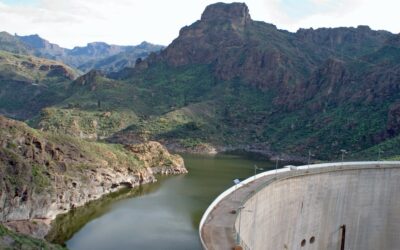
<point>231,82</point>
<point>10,240</point>
<point>28,84</point>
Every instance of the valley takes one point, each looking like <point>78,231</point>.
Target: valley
<point>79,125</point>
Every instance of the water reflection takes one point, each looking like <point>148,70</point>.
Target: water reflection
<point>66,225</point>
<point>163,215</point>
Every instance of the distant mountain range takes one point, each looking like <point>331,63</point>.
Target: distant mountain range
<point>97,55</point>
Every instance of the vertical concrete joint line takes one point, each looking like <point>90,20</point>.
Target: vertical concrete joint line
<point>343,227</point>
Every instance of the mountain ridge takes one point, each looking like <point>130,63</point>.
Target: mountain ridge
<point>80,57</point>
<point>304,72</point>
<point>225,83</point>
<point>262,85</point>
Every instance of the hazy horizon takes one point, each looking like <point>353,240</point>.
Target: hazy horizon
<point>129,22</point>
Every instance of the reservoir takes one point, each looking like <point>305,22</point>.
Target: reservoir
<point>162,215</point>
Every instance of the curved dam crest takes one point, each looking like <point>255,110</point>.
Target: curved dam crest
<point>351,205</point>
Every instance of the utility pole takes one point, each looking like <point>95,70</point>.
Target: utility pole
<point>379,153</point>
<point>343,153</point>
<point>276,165</point>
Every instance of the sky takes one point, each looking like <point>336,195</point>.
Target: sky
<point>72,23</point>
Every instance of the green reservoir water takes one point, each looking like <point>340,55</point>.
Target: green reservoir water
<point>163,215</point>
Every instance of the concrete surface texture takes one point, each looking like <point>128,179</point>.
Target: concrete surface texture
<point>324,206</point>
<point>349,209</point>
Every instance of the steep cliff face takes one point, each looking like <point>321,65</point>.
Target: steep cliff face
<point>43,175</point>
<point>221,26</point>
<point>12,44</point>
<point>236,47</point>
<point>156,157</point>
<point>343,43</point>
<point>41,47</point>
<point>321,90</point>
<point>369,79</point>
<point>260,54</point>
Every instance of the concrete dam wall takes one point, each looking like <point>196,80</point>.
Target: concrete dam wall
<point>337,206</point>
<point>320,211</point>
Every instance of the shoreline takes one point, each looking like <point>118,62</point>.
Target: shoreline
<point>41,227</point>
<point>257,149</point>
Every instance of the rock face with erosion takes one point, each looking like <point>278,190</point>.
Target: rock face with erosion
<point>42,175</point>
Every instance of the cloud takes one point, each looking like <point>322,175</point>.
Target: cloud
<point>289,14</point>
<point>20,2</point>
<point>377,14</point>
<point>77,22</point>
<point>322,2</point>
<point>334,13</point>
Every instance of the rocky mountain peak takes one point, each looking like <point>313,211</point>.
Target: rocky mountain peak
<point>220,28</point>
<point>98,45</point>
<point>35,41</point>
<point>237,13</point>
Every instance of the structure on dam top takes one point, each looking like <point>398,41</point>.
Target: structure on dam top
<point>334,206</point>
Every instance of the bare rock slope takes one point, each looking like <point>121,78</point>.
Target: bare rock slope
<point>43,174</point>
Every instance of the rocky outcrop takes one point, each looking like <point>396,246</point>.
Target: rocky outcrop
<point>236,13</point>
<point>43,175</point>
<point>237,47</point>
<point>327,83</point>
<point>60,71</point>
<point>157,159</point>
<point>88,78</point>
<point>342,41</point>
<point>220,28</point>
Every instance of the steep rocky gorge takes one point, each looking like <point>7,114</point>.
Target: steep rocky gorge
<point>317,89</point>
<point>43,174</point>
